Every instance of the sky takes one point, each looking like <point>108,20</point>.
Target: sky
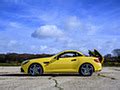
<point>51,26</point>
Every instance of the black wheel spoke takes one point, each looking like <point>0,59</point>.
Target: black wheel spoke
<point>35,69</point>
<point>86,69</point>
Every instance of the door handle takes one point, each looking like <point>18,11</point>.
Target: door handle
<point>73,60</point>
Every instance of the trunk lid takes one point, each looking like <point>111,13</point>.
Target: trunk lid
<point>95,53</point>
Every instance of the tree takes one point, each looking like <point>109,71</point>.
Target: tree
<point>116,52</point>
<point>108,56</point>
<point>2,58</point>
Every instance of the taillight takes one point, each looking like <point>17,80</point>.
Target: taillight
<point>97,60</point>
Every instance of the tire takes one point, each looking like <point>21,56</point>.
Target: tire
<point>35,69</point>
<point>86,69</point>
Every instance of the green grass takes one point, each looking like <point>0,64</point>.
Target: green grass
<point>112,64</point>
<point>10,64</point>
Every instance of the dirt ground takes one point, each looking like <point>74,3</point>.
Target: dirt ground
<point>12,79</point>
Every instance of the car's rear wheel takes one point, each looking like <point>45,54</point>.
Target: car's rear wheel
<point>35,69</point>
<point>86,69</point>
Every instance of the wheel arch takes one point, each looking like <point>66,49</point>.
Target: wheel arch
<point>86,63</point>
<point>35,63</point>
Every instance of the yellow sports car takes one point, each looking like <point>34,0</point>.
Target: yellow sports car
<point>69,61</point>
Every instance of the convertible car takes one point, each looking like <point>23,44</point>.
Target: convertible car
<point>69,61</point>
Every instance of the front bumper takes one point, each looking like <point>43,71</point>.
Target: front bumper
<point>21,70</point>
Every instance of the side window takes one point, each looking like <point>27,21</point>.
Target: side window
<point>69,54</point>
<point>77,54</point>
<point>65,55</point>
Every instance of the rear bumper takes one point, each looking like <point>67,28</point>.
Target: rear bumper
<point>98,67</point>
<point>98,70</point>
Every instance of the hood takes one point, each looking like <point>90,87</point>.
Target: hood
<point>41,59</point>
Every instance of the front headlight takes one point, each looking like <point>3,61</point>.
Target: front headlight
<point>24,62</point>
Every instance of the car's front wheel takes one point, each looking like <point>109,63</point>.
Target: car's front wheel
<point>86,69</point>
<point>35,69</point>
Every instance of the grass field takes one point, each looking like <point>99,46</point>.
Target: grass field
<point>117,64</point>
<point>10,64</point>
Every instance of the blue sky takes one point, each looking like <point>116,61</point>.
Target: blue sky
<point>50,26</point>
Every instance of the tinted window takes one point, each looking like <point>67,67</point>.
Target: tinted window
<point>69,54</point>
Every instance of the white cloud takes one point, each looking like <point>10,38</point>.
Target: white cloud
<point>14,24</point>
<point>33,47</point>
<point>12,43</point>
<point>48,31</point>
<point>48,49</point>
<point>13,1</point>
<point>92,29</point>
<point>52,50</point>
<point>73,23</point>
<point>43,47</point>
<point>8,45</point>
<point>109,45</point>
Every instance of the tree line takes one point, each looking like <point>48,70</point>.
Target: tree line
<point>114,57</point>
<point>18,58</point>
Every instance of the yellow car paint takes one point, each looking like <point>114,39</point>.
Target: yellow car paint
<point>55,64</point>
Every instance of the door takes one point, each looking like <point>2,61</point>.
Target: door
<point>65,62</point>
